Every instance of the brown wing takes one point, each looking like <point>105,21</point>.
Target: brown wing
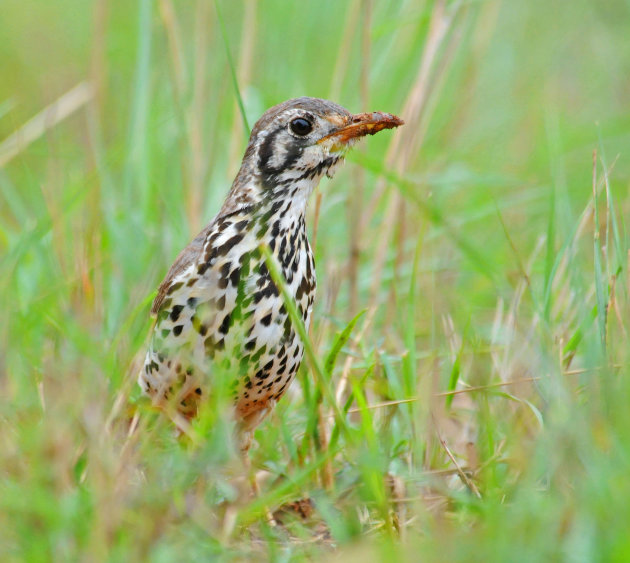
<point>186,257</point>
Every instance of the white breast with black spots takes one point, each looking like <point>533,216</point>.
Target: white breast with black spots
<point>224,309</point>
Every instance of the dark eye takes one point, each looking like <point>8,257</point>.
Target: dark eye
<point>301,126</point>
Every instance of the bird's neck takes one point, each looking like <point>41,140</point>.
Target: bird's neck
<point>277,194</point>
<point>286,200</point>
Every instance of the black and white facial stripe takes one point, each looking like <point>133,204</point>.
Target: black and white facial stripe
<point>289,153</point>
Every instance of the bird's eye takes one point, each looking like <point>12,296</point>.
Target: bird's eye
<point>301,126</point>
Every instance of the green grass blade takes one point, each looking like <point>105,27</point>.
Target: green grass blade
<point>339,342</point>
<point>237,90</point>
<point>298,324</point>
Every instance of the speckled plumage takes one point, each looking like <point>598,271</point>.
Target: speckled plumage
<point>218,306</point>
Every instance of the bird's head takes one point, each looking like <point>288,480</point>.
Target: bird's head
<point>295,143</point>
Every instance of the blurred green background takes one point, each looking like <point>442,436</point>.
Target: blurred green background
<point>486,239</point>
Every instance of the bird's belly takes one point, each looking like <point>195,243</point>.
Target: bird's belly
<point>264,354</point>
<point>239,336</point>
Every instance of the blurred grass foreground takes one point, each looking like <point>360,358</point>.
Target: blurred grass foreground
<point>473,306</point>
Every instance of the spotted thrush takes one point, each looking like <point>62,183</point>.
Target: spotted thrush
<point>218,304</point>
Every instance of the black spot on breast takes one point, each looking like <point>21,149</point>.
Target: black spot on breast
<point>192,302</point>
<point>231,243</point>
<point>302,288</point>
<point>276,228</point>
<point>271,290</point>
<point>261,374</point>
<point>174,287</point>
<point>241,225</point>
<point>175,311</point>
<point>177,330</point>
<point>210,256</point>
<point>251,344</point>
<point>225,269</point>
<point>262,270</point>
<point>266,320</point>
<point>221,303</point>
<point>212,239</point>
<point>225,324</point>
<point>287,327</point>
<point>235,277</point>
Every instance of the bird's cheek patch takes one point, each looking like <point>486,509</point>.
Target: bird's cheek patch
<point>312,156</point>
<point>278,156</point>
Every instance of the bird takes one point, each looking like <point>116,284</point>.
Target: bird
<point>218,311</point>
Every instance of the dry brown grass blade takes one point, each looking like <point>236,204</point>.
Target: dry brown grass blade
<point>179,79</point>
<point>198,161</point>
<point>462,474</point>
<point>343,58</point>
<point>355,196</point>
<point>408,142</point>
<point>63,107</point>
<point>347,366</point>
<point>173,35</point>
<point>98,58</point>
<point>244,76</point>
<point>519,381</point>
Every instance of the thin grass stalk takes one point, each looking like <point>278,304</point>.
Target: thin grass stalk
<point>232,66</point>
<point>248,45</point>
<point>196,112</point>
<point>179,75</point>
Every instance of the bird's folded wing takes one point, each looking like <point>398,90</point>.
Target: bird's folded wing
<point>190,255</point>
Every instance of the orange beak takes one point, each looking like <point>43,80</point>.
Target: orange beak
<point>363,124</point>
